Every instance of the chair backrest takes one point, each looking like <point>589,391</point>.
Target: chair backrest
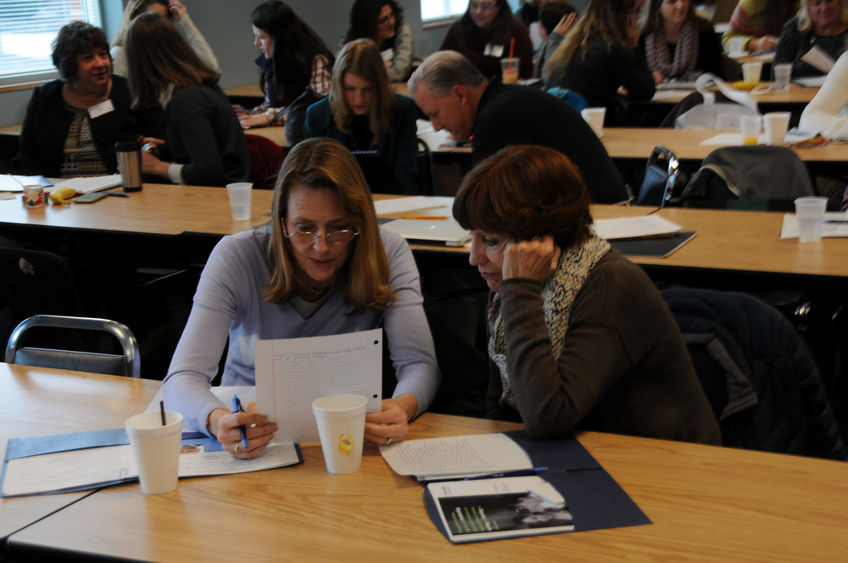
<point>757,373</point>
<point>266,158</point>
<point>34,282</point>
<point>424,178</point>
<point>661,174</point>
<point>751,177</point>
<point>128,363</point>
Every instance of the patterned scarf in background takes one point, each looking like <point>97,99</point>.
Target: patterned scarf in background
<point>558,295</point>
<point>685,52</point>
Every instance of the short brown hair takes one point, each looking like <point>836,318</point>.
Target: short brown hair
<point>73,40</point>
<point>324,163</point>
<point>158,56</point>
<point>524,191</point>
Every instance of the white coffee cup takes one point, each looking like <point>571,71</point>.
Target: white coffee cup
<point>752,71</point>
<point>809,211</point>
<point>736,46</point>
<point>595,118</point>
<point>239,194</point>
<point>776,124</point>
<point>156,449</point>
<point>341,426</point>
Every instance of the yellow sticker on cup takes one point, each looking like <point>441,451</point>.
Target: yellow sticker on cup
<point>346,443</point>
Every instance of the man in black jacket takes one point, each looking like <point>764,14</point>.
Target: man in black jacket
<point>456,97</point>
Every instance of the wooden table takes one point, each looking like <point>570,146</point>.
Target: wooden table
<point>798,95</point>
<point>637,143</point>
<point>706,503</point>
<point>159,209</point>
<point>37,401</point>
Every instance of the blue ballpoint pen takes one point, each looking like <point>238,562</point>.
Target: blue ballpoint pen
<point>242,428</point>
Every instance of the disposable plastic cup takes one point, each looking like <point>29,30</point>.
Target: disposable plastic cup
<point>782,75</point>
<point>239,194</point>
<point>156,449</point>
<point>749,126</point>
<point>509,70</point>
<point>736,46</point>
<point>776,124</point>
<point>595,118</point>
<point>751,71</point>
<point>810,214</point>
<point>341,427</point>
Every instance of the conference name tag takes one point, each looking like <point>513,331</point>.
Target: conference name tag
<point>493,50</point>
<point>102,108</point>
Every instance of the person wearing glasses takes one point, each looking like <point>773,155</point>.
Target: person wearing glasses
<point>365,115</point>
<point>382,22</point>
<point>600,55</point>
<point>322,267</point>
<point>569,345</point>
<point>488,32</point>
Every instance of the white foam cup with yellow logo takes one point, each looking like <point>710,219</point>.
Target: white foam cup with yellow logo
<point>341,426</point>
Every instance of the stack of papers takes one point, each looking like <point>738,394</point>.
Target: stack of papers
<point>835,225</point>
<point>84,185</point>
<point>13,183</point>
<point>635,227</point>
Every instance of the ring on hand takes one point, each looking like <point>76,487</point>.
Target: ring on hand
<point>235,449</point>
<point>388,441</point>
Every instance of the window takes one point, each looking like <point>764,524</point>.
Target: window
<point>442,9</point>
<point>27,31</point>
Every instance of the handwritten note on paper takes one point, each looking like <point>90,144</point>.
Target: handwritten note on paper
<point>479,453</point>
<point>293,372</point>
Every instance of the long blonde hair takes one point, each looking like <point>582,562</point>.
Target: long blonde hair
<point>362,58</point>
<point>324,163</point>
<point>604,20</point>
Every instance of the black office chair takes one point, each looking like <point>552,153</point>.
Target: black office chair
<point>127,364</point>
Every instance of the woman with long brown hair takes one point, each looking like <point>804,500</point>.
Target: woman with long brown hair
<point>204,144</point>
<point>365,115</point>
<point>322,267</point>
<point>600,55</point>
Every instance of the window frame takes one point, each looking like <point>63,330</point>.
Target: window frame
<point>38,72</point>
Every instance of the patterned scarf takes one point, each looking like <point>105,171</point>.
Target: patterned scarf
<point>685,52</point>
<point>558,295</point>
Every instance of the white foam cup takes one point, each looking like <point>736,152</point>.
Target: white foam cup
<point>239,194</point>
<point>341,426</point>
<point>156,449</point>
<point>595,118</point>
<point>809,212</point>
<point>776,124</point>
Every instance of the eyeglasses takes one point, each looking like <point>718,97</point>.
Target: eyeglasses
<point>305,237</point>
<point>481,6</point>
<point>385,19</point>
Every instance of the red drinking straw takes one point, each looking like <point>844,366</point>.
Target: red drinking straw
<point>511,51</point>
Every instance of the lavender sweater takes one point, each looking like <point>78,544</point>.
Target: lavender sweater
<point>229,302</point>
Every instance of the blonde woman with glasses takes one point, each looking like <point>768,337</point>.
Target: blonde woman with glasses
<point>322,267</point>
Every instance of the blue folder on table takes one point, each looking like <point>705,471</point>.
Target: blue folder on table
<point>594,498</point>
